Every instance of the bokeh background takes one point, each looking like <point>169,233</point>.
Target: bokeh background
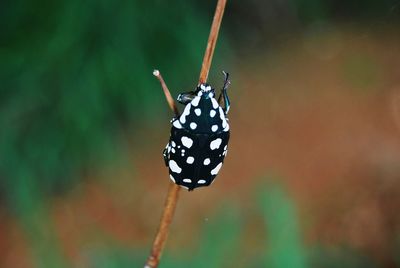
<point>312,178</point>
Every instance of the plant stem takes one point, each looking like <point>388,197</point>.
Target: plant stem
<point>212,41</point>
<point>162,232</point>
<point>167,94</point>
<point>173,191</point>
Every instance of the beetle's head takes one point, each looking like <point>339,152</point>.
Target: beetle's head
<point>205,90</point>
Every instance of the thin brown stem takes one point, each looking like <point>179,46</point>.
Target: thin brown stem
<point>172,196</point>
<point>167,94</point>
<point>212,41</point>
<point>173,191</point>
<point>163,229</point>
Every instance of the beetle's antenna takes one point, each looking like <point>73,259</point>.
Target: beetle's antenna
<point>227,82</point>
<point>172,197</point>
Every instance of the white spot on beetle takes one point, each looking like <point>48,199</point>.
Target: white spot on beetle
<point>174,167</point>
<point>201,181</point>
<point>187,142</point>
<point>221,113</point>
<point>224,123</point>
<point>206,161</point>
<point>172,178</point>
<point>213,113</point>
<point>227,128</point>
<point>177,124</point>
<point>226,147</point>
<point>190,160</point>
<point>202,87</point>
<point>214,103</point>
<point>173,143</point>
<point>216,169</point>
<point>197,111</point>
<point>173,150</point>
<point>185,113</point>
<point>193,125</point>
<point>187,180</point>
<point>214,128</point>
<point>215,143</point>
<point>195,101</point>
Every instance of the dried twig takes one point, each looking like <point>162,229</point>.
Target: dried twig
<point>167,94</point>
<point>212,41</point>
<point>162,232</point>
<point>172,197</point>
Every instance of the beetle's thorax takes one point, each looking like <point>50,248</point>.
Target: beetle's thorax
<point>203,115</point>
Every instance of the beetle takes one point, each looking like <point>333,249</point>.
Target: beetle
<point>199,137</point>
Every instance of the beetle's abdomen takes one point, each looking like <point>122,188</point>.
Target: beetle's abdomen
<point>194,160</point>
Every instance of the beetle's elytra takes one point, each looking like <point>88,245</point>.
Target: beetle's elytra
<point>199,137</point>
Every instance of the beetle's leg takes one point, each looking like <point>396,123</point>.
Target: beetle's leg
<point>186,97</point>
<point>165,154</point>
<point>224,94</point>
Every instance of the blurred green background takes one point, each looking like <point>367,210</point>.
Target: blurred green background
<point>312,175</point>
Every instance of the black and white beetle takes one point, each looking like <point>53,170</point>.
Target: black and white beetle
<point>199,137</point>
